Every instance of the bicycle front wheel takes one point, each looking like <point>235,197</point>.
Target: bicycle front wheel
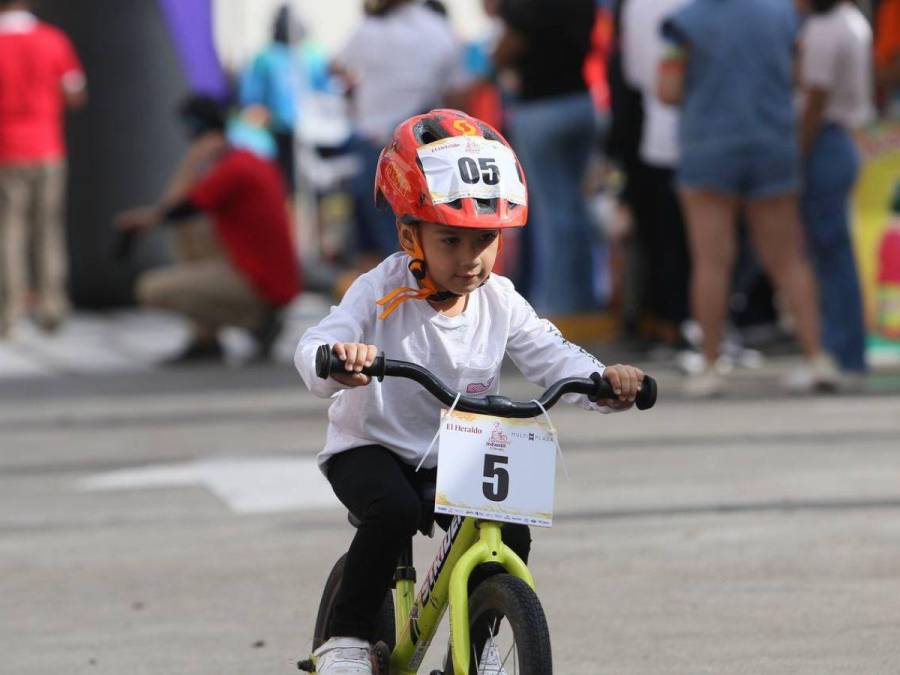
<point>507,629</point>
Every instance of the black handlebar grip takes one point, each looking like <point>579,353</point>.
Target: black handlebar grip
<point>323,361</point>
<point>327,364</point>
<point>646,397</point>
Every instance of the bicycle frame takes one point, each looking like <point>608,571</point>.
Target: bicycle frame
<point>467,544</point>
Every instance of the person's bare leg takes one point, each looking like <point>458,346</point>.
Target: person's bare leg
<point>774,225</point>
<point>711,226</point>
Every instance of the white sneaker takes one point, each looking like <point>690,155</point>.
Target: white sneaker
<point>705,384</point>
<point>818,374</point>
<point>343,656</point>
<point>490,663</point>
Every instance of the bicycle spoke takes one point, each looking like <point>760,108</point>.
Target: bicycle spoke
<point>511,650</point>
<point>497,663</point>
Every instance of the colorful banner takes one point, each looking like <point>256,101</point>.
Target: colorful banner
<point>190,23</point>
<point>876,233</point>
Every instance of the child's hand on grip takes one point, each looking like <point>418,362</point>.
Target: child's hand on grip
<point>626,383</point>
<point>355,356</point>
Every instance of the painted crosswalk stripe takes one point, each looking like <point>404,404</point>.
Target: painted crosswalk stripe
<point>246,485</point>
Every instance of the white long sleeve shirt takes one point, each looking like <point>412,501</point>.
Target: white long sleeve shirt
<point>464,351</point>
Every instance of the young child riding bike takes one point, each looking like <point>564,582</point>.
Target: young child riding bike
<point>454,184</point>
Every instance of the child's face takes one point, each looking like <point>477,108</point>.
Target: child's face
<point>459,259</point>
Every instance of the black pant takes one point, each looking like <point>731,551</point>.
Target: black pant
<point>662,242</point>
<point>284,146</point>
<point>383,492</point>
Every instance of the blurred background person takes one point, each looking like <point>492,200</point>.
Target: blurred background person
<point>484,94</point>
<point>731,70</point>
<point>837,94</point>
<point>622,146</point>
<point>595,64</point>
<point>279,77</point>
<point>655,209</point>
<point>887,49</point>
<point>249,269</point>
<point>403,59</point>
<point>40,75</point>
<point>553,129</point>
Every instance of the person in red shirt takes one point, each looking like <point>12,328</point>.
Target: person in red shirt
<point>40,76</point>
<point>252,269</point>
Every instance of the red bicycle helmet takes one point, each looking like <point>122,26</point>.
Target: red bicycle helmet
<point>401,182</point>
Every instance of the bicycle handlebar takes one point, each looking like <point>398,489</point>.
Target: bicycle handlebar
<point>595,388</point>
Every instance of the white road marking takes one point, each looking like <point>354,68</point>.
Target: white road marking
<point>134,341</point>
<point>127,341</point>
<point>251,485</point>
<point>15,365</point>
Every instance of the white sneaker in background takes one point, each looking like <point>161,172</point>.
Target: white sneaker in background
<point>708,383</point>
<point>490,663</point>
<point>818,374</point>
<point>343,656</point>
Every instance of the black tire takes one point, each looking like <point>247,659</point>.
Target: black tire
<point>506,608</point>
<point>384,624</point>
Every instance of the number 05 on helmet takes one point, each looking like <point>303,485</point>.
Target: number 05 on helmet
<point>450,168</point>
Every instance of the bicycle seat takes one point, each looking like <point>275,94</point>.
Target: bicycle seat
<point>427,493</point>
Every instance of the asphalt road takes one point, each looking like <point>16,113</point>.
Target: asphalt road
<point>173,523</point>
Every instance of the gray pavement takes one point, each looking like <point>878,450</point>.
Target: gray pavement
<point>158,522</point>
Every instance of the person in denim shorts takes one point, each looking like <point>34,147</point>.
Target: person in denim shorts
<point>730,68</point>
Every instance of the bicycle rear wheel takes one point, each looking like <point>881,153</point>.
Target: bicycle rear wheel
<point>507,629</point>
<point>384,624</point>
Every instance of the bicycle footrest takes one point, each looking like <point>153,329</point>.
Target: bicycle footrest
<point>306,666</point>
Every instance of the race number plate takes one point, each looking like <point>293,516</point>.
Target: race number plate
<point>496,468</point>
<point>470,166</point>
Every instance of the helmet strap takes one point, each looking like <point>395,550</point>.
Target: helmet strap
<point>428,289</point>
